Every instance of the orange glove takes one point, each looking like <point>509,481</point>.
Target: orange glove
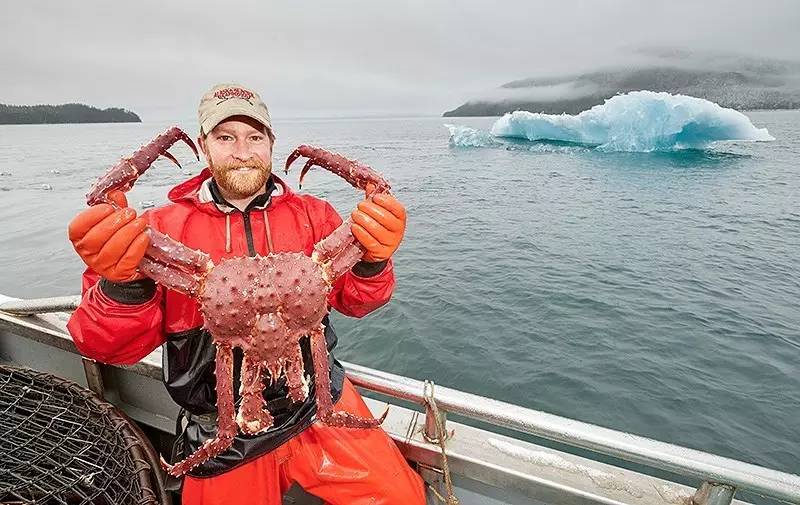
<point>379,224</point>
<point>111,241</point>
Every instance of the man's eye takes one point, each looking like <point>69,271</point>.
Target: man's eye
<point>256,138</point>
<point>225,137</point>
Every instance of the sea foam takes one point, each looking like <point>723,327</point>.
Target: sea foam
<point>641,121</point>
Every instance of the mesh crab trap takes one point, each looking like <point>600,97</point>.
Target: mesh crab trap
<point>60,444</point>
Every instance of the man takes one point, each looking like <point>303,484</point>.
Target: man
<point>237,207</point>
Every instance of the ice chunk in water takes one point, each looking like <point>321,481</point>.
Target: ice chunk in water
<point>640,121</point>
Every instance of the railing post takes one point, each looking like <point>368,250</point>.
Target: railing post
<point>712,493</point>
<point>433,416</point>
<point>432,476</point>
<point>435,432</point>
<point>431,429</point>
<point>94,377</point>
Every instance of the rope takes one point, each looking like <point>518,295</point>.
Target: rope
<point>441,438</point>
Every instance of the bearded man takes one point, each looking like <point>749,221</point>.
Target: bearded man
<point>237,207</point>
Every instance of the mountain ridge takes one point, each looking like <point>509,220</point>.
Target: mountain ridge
<point>766,86</point>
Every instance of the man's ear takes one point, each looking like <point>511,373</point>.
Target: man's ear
<point>201,141</point>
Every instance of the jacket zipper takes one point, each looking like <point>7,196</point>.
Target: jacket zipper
<point>248,233</point>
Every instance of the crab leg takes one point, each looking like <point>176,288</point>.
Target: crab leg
<point>253,415</point>
<point>169,277</point>
<point>346,259</point>
<point>122,175</point>
<point>340,251</point>
<point>295,378</point>
<point>357,174</point>
<point>169,251</point>
<point>166,261</point>
<point>327,248</point>
<point>226,413</point>
<point>173,264</point>
<point>322,379</point>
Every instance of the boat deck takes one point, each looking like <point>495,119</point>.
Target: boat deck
<point>490,461</point>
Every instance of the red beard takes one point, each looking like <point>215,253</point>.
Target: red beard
<point>241,184</point>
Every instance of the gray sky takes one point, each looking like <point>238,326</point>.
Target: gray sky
<point>349,56</point>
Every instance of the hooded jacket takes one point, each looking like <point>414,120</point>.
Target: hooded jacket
<point>121,323</point>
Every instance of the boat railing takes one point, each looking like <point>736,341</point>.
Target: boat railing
<point>721,477</point>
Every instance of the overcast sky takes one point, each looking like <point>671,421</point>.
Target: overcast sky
<point>349,56</point>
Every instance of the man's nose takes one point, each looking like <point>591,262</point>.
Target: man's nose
<point>241,150</point>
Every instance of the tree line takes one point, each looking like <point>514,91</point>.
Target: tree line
<point>66,113</point>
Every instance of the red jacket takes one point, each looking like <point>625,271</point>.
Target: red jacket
<point>119,333</point>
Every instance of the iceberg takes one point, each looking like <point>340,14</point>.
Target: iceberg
<point>640,121</point>
<point>464,136</point>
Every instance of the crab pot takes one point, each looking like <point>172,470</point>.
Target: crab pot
<point>63,445</point>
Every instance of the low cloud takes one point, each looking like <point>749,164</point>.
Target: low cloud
<point>418,56</point>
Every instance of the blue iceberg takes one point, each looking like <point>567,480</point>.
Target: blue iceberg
<point>640,121</point>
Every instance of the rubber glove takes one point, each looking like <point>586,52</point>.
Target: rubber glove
<point>379,224</point>
<point>111,241</point>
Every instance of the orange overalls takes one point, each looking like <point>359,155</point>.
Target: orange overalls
<point>340,465</point>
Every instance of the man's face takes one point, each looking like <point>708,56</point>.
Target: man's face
<point>239,154</point>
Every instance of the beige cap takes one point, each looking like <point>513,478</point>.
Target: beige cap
<point>230,99</point>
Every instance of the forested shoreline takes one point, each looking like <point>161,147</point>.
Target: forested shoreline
<point>66,113</point>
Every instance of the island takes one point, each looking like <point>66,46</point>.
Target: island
<point>66,113</point>
<point>730,81</point>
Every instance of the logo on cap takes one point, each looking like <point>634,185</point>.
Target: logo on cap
<point>229,93</point>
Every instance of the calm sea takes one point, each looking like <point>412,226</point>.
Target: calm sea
<point>653,293</point>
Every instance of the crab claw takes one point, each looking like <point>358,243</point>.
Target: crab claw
<point>124,174</point>
<point>171,158</point>
<point>357,174</point>
<point>310,163</point>
<point>348,420</point>
<point>314,155</point>
<point>293,156</point>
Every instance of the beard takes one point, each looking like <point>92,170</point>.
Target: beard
<point>240,184</point>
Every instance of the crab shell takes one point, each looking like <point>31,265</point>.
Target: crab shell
<point>264,304</point>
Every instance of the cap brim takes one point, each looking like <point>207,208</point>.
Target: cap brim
<point>213,120</point>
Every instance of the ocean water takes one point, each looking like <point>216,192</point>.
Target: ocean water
<point>656,293</point>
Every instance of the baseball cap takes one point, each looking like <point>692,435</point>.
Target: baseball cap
<point>231,99</point>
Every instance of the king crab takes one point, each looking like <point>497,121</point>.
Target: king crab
<point>263,305</point>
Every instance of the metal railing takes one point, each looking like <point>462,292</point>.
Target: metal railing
<point>720,476</point>
<point>716,471</point>
<point>41,305</point>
